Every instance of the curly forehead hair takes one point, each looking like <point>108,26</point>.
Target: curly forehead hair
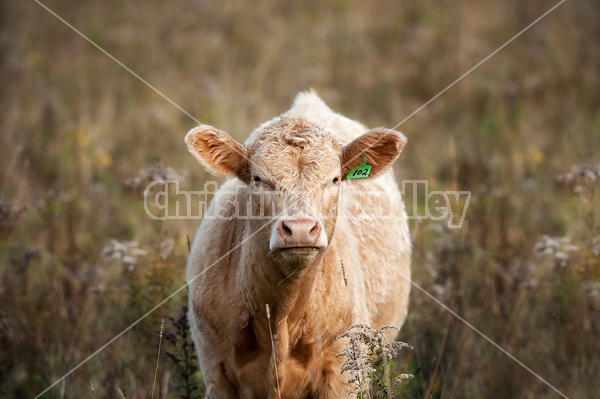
<point>295,132</point>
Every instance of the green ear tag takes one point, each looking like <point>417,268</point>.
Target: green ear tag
<point>360,171</point>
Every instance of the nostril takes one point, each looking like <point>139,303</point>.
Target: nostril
<point>315,230</point>
<point>285,229</point>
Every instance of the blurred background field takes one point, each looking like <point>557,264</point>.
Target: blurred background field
<point>80,260</point>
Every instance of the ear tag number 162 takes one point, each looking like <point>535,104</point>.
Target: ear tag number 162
<point>359,172</point>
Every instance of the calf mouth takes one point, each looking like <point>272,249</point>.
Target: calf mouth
<point>299,249</point>
<point>297,253</point>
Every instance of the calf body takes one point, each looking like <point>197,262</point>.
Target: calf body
<point>322,251</point>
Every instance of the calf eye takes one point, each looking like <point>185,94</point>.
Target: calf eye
<point>335,180</point>
<point>256,179</point>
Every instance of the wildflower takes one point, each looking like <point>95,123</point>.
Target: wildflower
<point>587,172</point>
<point>402,377</point>
<point>126,251</point>
<point>557,247</point>
<point>166,247</point>
<point>155,171</point>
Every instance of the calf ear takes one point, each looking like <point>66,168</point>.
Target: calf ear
<point>218,152</point>
<point>378,147</point>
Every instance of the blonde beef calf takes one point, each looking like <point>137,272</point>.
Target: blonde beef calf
<point>287,220</point>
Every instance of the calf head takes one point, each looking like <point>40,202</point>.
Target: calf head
<point>292,170</point>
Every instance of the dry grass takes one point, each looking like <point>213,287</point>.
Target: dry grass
<point>76,126</point>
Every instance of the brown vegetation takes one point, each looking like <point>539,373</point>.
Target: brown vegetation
<point>75,125</point>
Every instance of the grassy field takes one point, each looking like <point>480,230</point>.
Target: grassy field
<point>80,260</point>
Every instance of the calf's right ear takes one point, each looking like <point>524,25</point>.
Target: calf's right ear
<point>218,152</point>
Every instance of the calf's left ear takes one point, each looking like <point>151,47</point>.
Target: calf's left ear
<point>378,147</point>
<point>220,154</point>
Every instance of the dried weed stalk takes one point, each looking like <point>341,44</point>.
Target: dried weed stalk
<point>368,357</point>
